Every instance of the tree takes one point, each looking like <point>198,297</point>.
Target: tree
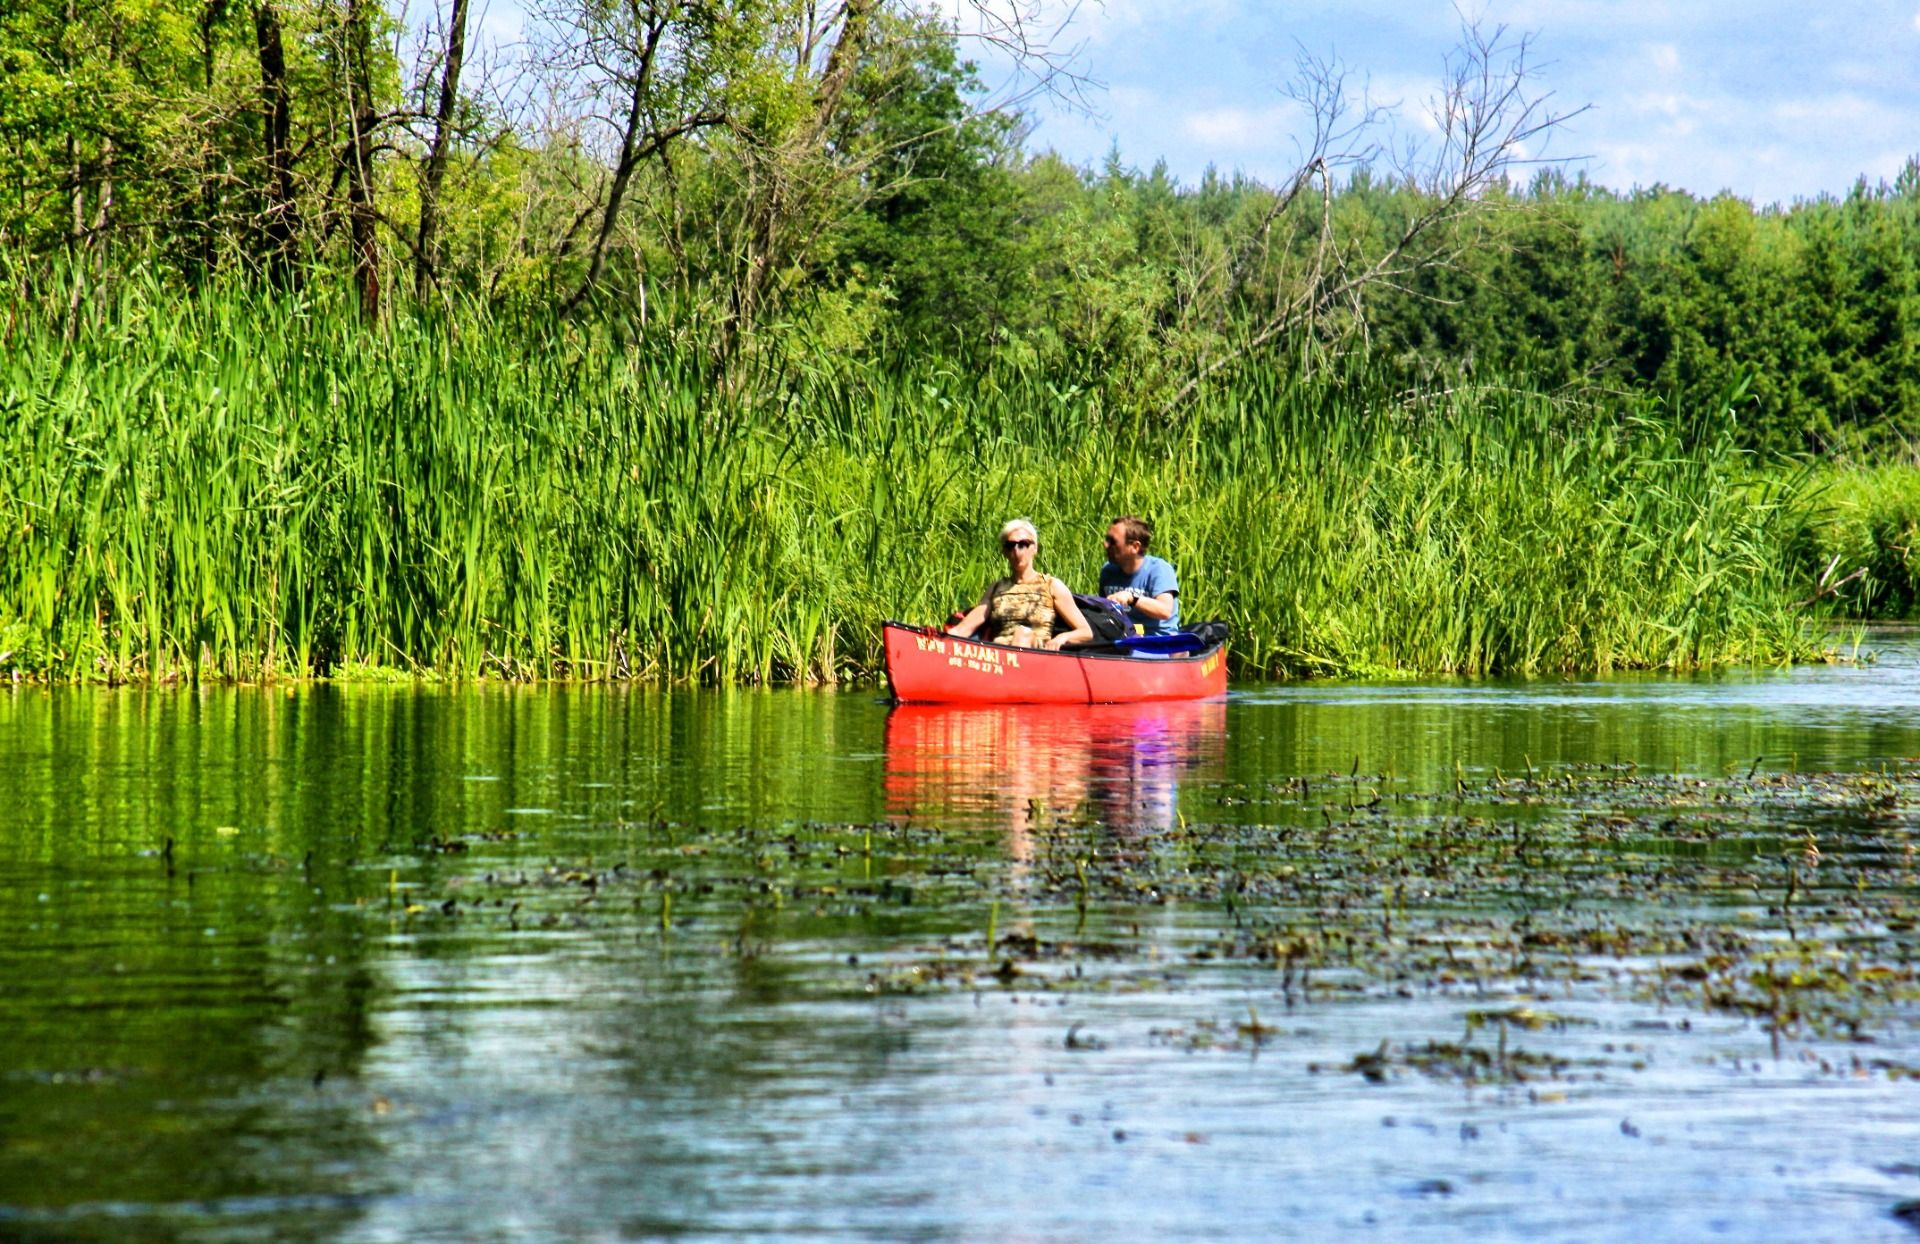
<point>1489,117</point>
<point>279,213</point>
<point>937,224</point>
<point>434,172</point>
<point>81,133</point>
<point>356,154</point>
<point>761,90</point>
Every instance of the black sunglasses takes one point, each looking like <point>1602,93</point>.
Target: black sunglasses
<point>1016,544</point>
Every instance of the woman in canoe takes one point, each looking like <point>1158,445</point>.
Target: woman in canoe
<point>1021,608</point>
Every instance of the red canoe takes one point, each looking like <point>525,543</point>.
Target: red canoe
<point>931,668</point>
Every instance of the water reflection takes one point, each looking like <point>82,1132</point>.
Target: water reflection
<point>1016,764</point>
<point>317,1014</point>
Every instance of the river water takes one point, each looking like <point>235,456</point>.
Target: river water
<point>1602,959</point>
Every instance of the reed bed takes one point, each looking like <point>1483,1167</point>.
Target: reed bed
<point>1858,549</point>
<point>250,487</point>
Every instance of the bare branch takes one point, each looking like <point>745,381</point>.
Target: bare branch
<point>1040,61</point>
<point>1489,119</point>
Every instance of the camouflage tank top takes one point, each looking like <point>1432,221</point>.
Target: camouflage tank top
<point>1027,604</point>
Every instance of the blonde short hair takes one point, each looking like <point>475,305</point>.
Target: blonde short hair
<point>1019,524</point>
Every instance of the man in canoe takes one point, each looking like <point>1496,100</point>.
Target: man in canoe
<point>1022,607</point>
<point>1144,585</point>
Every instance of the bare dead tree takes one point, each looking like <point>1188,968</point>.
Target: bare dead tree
<point>1033,41</point>
<point>1489,119</point>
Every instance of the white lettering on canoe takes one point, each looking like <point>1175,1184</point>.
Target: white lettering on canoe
<point>970,656</point>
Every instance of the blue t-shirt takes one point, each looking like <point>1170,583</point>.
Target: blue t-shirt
<point>1154,577</point>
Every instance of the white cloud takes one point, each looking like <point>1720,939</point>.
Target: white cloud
<point>1886,165</point>
<point>1824,112</point>
<point>1628,161</point>
<point>1770,100</point>
<point>1405,91</point>
<point>1105,20</point>
<point>1132,98</point>
<point>1863,73</point>
<point>500,28</point>
<point>1667,105</point>
<point>1239,129</point>
<point>1771,151</point>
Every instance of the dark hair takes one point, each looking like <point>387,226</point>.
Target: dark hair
<point>1134,530</point>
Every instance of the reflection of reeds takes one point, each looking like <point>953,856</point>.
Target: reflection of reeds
<point>243,486</point>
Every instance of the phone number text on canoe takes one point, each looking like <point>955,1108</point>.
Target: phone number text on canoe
<point>962,655</point>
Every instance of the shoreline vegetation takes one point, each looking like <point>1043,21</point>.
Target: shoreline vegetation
<point>252,487</point>
<point>688,342</point>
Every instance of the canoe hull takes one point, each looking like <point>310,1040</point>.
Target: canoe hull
<point>939,669</point>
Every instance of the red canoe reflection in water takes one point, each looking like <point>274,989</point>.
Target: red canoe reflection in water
<point>1017,763</point>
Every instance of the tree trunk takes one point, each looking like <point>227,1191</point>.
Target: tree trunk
<point>630,157</point>
<point>362,216</point>
<point>279,219</point>
<point>76,188</point>
<point>841,63</point>
<point>102,204</point>
<point>103,187</point>
<point>426,253</point>
<point>212,14</point>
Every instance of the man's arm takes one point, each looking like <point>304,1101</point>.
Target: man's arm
<point>1160,606</point>
<point>1157,601</point>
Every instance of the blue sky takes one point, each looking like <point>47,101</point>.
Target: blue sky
<point>1772,101</point>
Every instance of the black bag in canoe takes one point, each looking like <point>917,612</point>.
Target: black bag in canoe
<point>1107,620</point>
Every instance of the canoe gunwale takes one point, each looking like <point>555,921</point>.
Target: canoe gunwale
<point>1200,655</point>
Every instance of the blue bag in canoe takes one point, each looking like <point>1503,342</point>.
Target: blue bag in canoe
<point>1160,645</point>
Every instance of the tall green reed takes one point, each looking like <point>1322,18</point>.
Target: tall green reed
<point>1857,548</point>
<point>250,486</point>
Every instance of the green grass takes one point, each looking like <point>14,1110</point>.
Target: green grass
<point>236,486</point>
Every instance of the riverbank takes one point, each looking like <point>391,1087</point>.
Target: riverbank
<point>252,489</point>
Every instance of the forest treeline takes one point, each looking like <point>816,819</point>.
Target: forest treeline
<point>821,182</point>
